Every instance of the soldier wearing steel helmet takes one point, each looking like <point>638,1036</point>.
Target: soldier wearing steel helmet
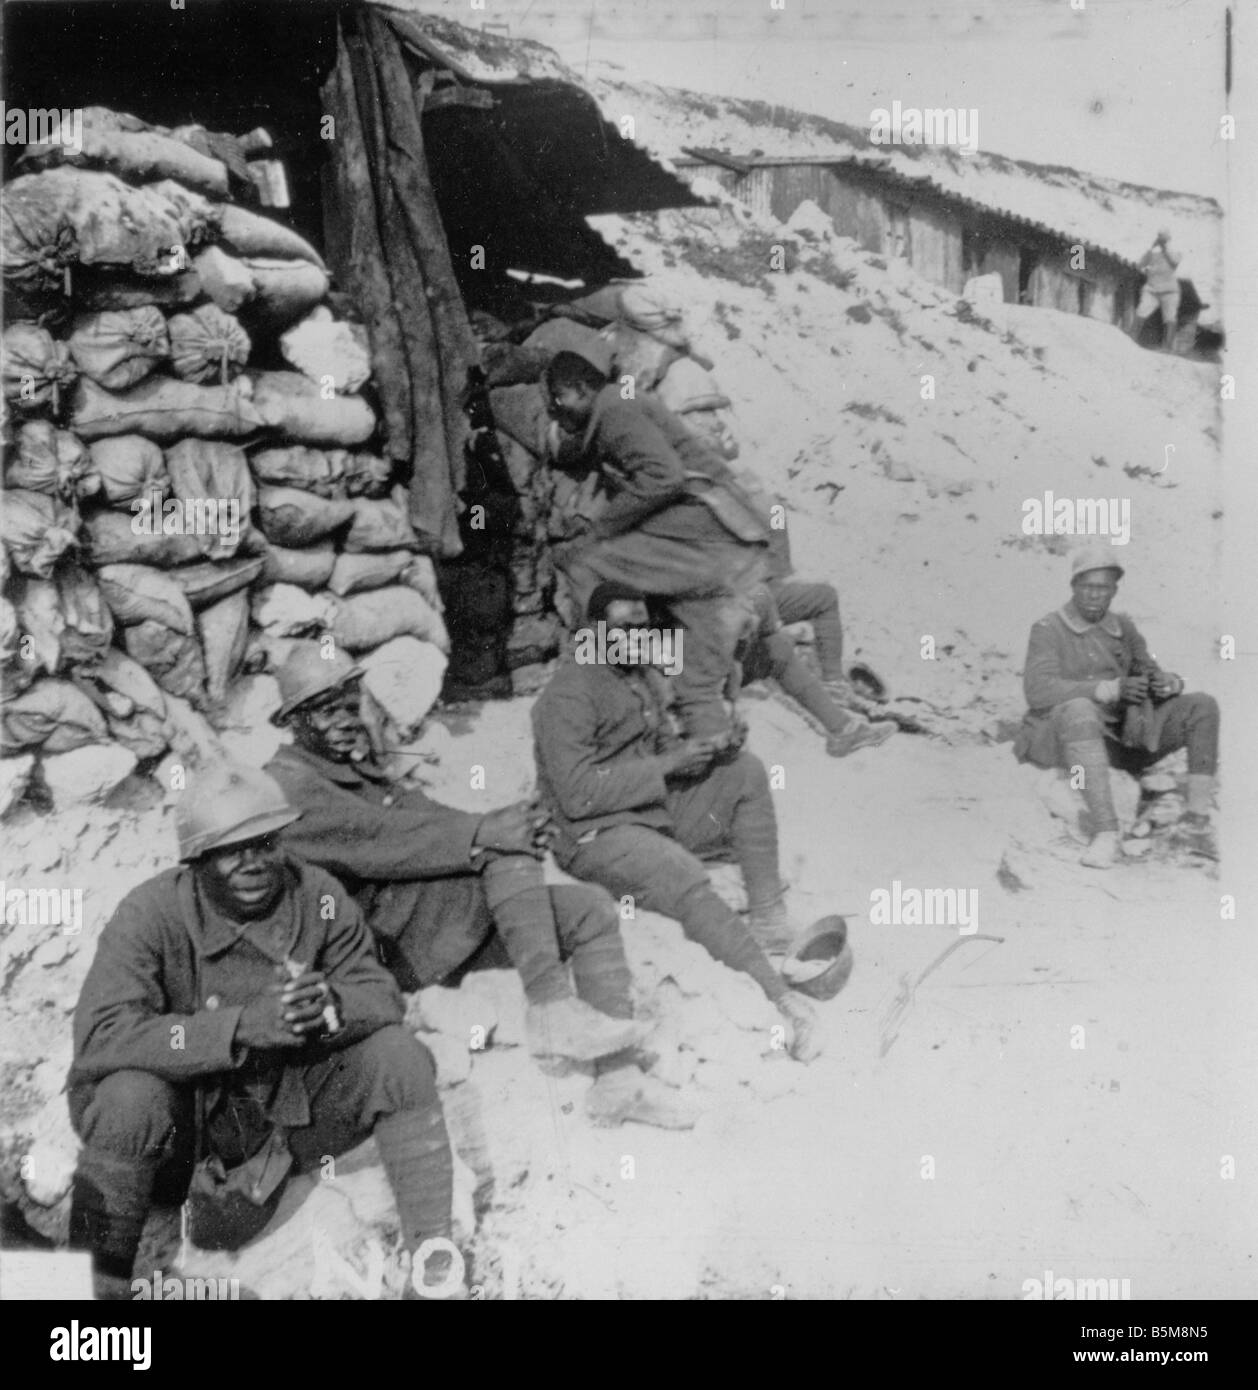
<point>436,883</point>
<point>235,1021</point>
<point>1098,698</point>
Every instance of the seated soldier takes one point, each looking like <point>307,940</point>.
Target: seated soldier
<point>635,805</point>
<point>434,883</point>
<point>675,525</point>
<point>769,654</point>
<point>1098,698</point>
<point>230,1015</point>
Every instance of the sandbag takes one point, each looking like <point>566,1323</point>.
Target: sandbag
<point>298,465</point>
<point>39,617</point>
<point>506,364</point>
<point>283,291</point>
<point>248,234</point>
<point>139,156</point>
<point>354,573</point>
<point>422,577</point>
<point>293,405</point>
<point>533,640</point>
<point>115,537</point>
<point>100,291</point>
<point>16,675</point>
<point>224,631</point>
<point>172,658</point>
<point>601,306</point>
<point>87,625</point>
<point>166,410</point>
<point>293,518</point>
<point>639,355</point>
<point>128,466</point>
<point>265,654</point>
<point>715,427</point>
<point>216,471</point>
<point>52,714</point>
<point>309,567</point>
<point>365,475</point>
<point>36,529</point>
<point>686,387</point>
<point>189,205</point>
<point>649,310</point>
<point>140,593</point>
<point>520,411</point>
<point>118,348</point>
<point>566,335</point>
<point>209,582</point>
<point>37,369</point>
<point>10,628</point>
<point>364,621</point>
<point>137,714</point>
<point>227,281</point>
<point>52,461</point>
<point>207,345</point>
<point>381,524</point>
<point>404,677</point>
<point>283,610</point>
<point>78,217</point>
<point>324,349</point>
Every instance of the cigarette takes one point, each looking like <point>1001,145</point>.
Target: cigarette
<point>331,1019</point>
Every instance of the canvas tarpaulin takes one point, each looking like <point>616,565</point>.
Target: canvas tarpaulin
<point>388,246</point>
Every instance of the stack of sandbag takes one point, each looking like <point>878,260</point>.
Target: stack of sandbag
<point>637,331</point>
<point>171,503</point>
<point>691,391</point>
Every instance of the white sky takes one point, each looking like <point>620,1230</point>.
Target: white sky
<point>1128,88</point>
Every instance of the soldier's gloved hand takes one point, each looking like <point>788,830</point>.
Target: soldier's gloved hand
<point>262,1022</point>
<point>509,830</point>
<point>1134,689</point>
<point>1164,684</point>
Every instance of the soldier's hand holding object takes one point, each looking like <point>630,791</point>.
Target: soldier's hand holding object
<point>263,1022</point>
<point>510,830</point>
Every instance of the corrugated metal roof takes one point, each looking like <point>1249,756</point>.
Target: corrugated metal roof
<point>883,169</point>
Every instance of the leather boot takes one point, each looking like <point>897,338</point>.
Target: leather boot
<point>806,1042</point>
<point>1089,755</point>
<point>571,1028</point>
<point>772,927</point>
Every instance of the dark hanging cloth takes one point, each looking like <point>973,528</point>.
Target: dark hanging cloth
<point>387,246</point>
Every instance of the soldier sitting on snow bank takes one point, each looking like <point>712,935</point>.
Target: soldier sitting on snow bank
<point>635,805</point>
<point>235,1018</point>
<point>435,882</point>
<point>1098,698</point>
<point>769,654</point>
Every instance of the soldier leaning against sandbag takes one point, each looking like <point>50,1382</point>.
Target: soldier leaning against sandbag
<point>675,527</point>
<point>235,1021</point>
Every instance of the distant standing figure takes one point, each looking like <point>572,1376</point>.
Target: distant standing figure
<point>1161,288</point>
